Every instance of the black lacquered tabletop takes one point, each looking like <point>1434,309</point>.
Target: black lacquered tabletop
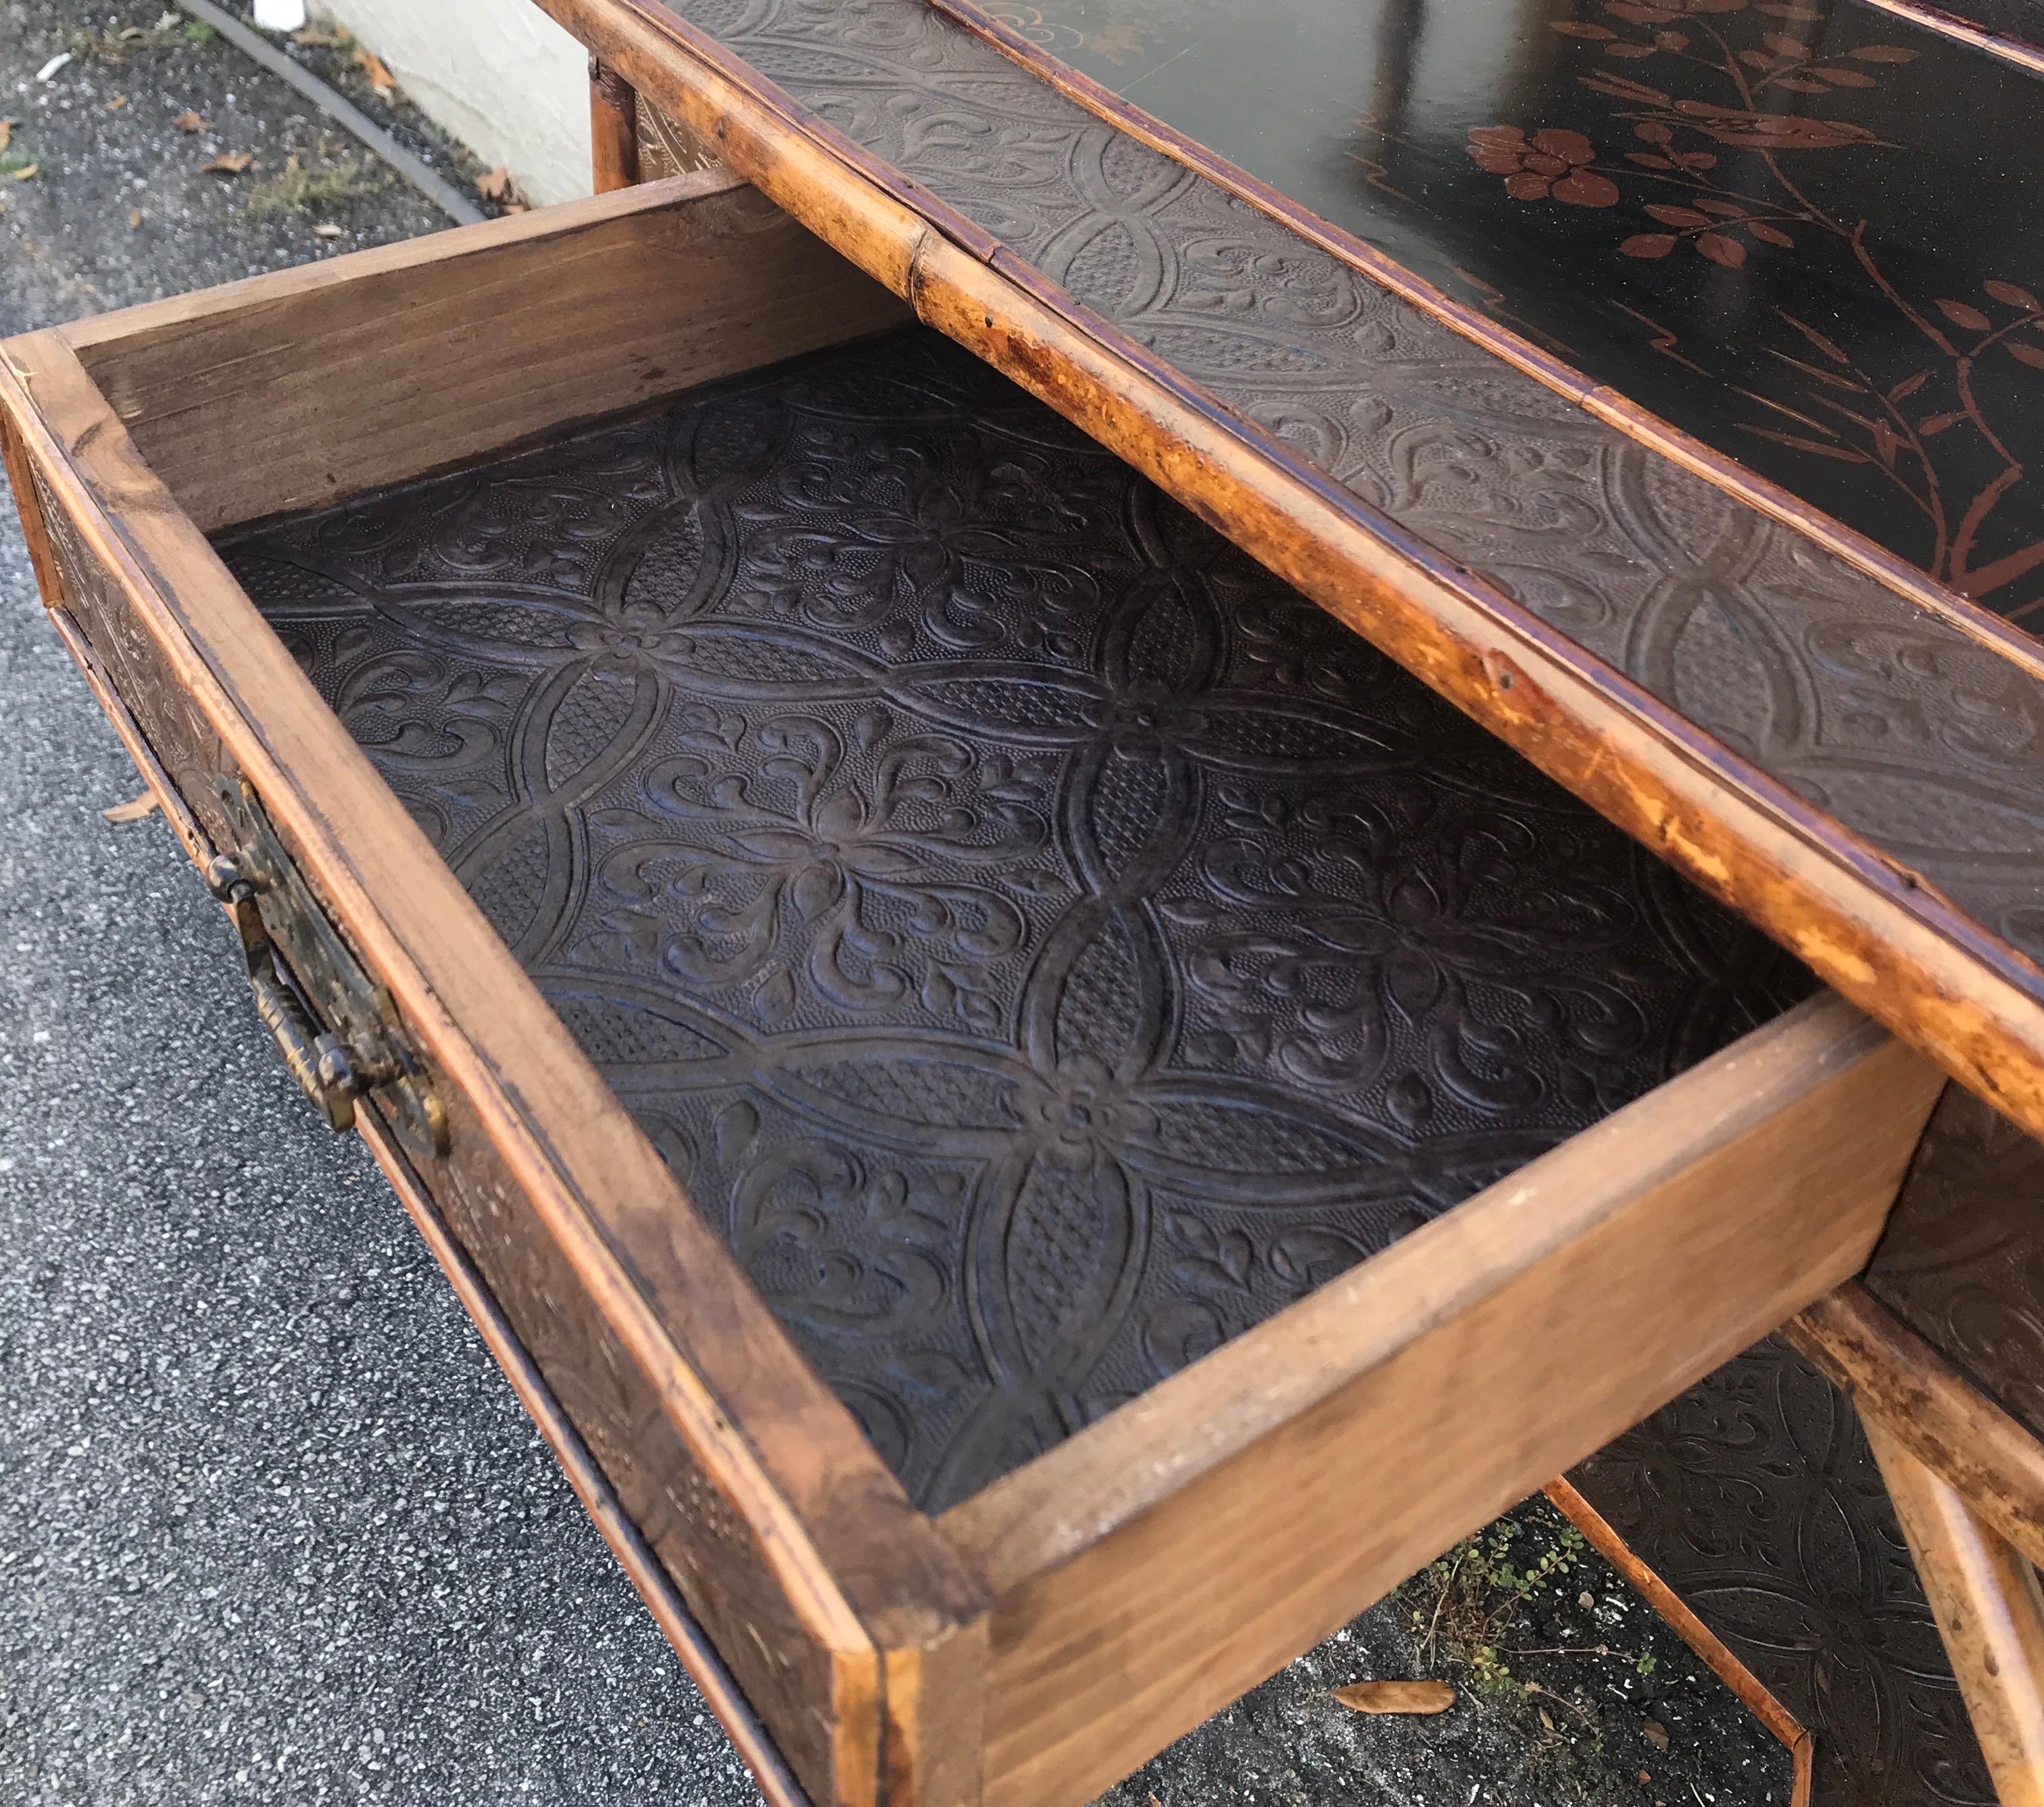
<point>1808,233</point>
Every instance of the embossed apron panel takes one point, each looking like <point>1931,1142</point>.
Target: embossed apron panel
<point>1962,1262</point>
<point>1044,944</point>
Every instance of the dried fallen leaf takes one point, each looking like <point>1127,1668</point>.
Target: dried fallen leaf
<point>1655,1734</point>
<point>134,218</point>
<point>26,172</point>
<point>133,810</point>
<point>1646,1776</point>
<point>371,65</point>
<point>1396,1696</point>
<point>318,35</point>
<point>227,163</point>
<point>7,131</point>
<point>116,103</point>
<point>495,185</point>
<point>1154,1801</point>
<point>191,122</point>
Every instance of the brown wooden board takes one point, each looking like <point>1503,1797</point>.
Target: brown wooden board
<point>1990,1615</point>
<point>1935,1408</point>
<point>1257,366</point>
<point>613,130</point>
<point>630,1308</point>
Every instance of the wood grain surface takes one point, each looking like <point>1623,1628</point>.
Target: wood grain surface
<point>291,391</point>
<point>1933,1409</point>
<point>844,1567</point>
<point>1989,1613</point>
<point>614,130</point>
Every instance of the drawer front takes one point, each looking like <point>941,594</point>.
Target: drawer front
<point>312,989</point>
<point>704,1543</point>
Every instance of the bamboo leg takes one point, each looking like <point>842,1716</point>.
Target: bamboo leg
<point>1937,1414</point>
<point>1989,1609</point>
<point>613,128</point>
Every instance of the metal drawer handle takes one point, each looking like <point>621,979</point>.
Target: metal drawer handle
<point>318,1061</point>
<point>331,1071</point>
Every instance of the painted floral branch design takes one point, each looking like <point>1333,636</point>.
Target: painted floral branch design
<point>1671,173</point>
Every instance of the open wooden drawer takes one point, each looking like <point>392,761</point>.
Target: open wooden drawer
<point>1038,1123</point>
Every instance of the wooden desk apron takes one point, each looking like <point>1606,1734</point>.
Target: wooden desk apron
<point>1845,752</point>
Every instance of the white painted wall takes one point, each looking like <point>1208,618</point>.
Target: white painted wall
<point>499,75</point>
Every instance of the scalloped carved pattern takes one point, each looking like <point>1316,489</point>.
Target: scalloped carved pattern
<point>1754,1496</point>
<point>1889,718</point>
<point>1044,944</point>
<point>183,742</point>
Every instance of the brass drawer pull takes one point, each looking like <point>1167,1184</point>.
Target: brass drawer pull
<point>319,1060</point>
<point>304,978</point>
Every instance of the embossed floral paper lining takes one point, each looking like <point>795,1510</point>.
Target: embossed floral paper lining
<point>1044,944</point>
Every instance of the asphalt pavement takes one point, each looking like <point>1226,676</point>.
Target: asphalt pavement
<point>272,1527</point>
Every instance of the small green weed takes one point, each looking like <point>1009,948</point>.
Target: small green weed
<point>301,190</point>
<point>1465,1603</point>
<point>14,158</point>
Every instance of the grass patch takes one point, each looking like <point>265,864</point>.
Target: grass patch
<point>301,190</point>
<point>1465,1605</point>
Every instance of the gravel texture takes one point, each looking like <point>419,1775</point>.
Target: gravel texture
<point>272,1527</point>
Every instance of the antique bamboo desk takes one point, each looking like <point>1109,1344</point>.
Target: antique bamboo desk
<point>1037,1121</point>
